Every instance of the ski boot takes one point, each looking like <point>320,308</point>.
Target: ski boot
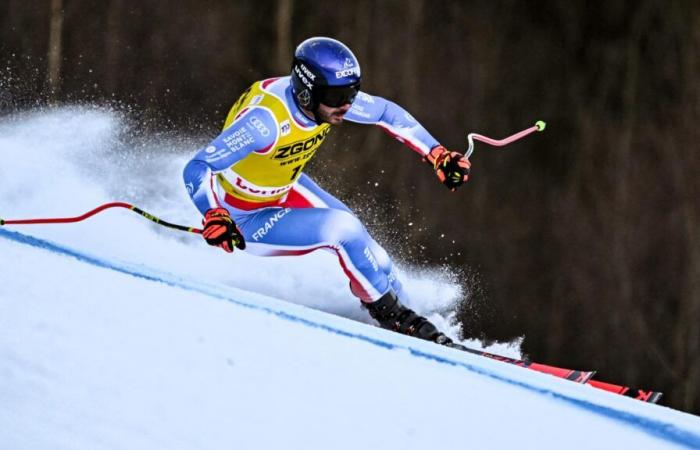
<point>392,315</point>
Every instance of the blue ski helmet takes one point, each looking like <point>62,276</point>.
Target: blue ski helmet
<point>324,71</point>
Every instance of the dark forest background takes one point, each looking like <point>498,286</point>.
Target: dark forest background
<point>585,239</point>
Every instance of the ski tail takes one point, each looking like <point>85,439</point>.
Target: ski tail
<point>635,393</point>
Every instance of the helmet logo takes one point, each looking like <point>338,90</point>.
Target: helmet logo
<point>349,69</point>
<point>304,98</point>
<point>347,72</point>
<point>308,73</point>
<point>302,77</point>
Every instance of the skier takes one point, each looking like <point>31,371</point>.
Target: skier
<point>250,186</point>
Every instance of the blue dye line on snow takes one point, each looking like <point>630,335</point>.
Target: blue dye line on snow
<point>657,428</point>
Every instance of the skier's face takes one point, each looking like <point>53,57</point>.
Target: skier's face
<point>333,116</point>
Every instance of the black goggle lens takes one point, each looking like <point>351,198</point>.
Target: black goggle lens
<point>338,96</point>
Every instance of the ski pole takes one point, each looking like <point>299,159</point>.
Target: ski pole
<point>97,210</point>
<point>539,126</point>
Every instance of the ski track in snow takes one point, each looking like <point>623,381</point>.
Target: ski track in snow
<point>86,354</point>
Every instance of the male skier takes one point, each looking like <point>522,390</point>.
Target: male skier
<point>250,186</point>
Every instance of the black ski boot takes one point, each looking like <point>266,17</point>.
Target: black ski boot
<point>392,315</point>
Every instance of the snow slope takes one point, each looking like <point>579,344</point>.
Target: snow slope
<point>119,334</point>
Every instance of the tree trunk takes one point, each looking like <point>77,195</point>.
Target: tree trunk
<point>283,22</point>
<point>55,48</point>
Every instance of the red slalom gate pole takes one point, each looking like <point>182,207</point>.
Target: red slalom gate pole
<point>98,210</point>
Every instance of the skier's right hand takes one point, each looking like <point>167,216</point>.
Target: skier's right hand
<point>220,230</point>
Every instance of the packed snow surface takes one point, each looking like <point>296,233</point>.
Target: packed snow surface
<point>116,333</point>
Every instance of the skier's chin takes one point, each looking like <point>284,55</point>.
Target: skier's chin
<point>336,119</point>
<point>332,115</point>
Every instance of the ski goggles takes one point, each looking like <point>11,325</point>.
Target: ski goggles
<point>336,96</point>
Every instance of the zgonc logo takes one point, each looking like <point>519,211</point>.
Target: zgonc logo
<point>293,149</point>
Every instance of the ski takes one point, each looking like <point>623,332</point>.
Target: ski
<point>635,393</point>
<point>577,376</point>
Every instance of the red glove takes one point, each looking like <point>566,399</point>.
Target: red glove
<point>451,168</point>
<point>220,230</point>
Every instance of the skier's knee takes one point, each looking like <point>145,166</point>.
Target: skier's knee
<point>344,228</point>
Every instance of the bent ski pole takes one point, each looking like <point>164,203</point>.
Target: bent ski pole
<point>97,210</point>
<point>538,126</point>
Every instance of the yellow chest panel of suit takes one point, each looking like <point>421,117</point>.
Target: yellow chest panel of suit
<point>269,174</point>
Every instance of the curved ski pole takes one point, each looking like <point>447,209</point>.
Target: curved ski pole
<point>471,137</point>
<point>97,210</point>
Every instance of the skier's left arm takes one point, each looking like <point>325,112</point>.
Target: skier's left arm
<point>451,168</point>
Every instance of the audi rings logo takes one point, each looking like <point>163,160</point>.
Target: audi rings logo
<point>261,127</point>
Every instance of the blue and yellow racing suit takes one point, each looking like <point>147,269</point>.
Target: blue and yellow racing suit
<point>254,168</point>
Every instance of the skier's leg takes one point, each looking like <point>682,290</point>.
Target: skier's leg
<point>308,194</point>
<point>388,267</point>
<point>297,231</point>
<point>388,309</point>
